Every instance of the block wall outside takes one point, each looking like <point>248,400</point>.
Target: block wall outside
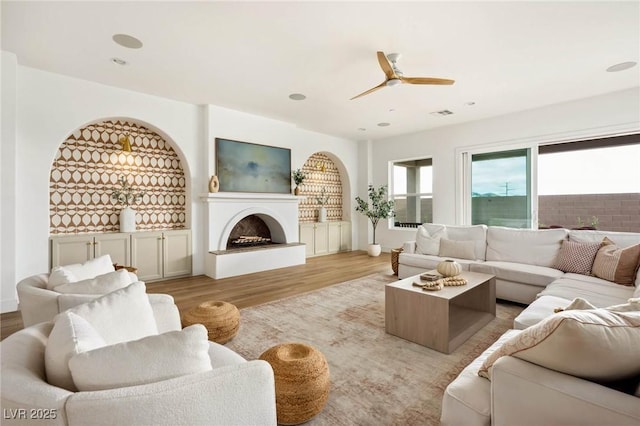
<point>614,212</point>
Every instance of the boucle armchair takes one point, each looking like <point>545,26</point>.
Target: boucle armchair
<point>233,392</point>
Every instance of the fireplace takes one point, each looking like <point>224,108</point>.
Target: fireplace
<point>250,232</point>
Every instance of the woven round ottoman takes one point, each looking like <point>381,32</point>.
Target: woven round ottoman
<point>302,381</point>
<point>221,319</point>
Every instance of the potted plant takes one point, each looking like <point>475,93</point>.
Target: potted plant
<point>376,208</point>
<point>125,195</point>
<point>322,199</point>
<point>298,178</point>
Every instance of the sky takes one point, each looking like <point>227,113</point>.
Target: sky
<point>597,171</point>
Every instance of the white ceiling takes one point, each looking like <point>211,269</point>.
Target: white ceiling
<point>249,56</point>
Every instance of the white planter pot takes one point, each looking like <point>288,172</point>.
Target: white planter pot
<point>322,214</point>
<point>374,250</point>
<point>127,220</point>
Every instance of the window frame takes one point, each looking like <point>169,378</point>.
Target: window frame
<point>420,195</point>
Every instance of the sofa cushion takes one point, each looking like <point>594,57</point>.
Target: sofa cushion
<point>457,249</point>
<point>120,316</point>
<point>467,399</point>
<point>576,257</point>
<point>429,243</point>
<point>101,284</point>
<point>594,344</point>
<point>476,233</point>
<point>617,264</point>
<point>428,262</point>
<point>539,309</point>
<point>599,292</point>
<point>518,272</point>
<point>80,271</point>
<point>147,360</point>
<point>70,335</point>
<point>529,246</point>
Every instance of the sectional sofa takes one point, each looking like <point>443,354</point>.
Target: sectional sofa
<point>547,270</point>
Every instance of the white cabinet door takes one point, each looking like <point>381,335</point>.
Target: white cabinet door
<point>321,241</point>
<point>345,236</point>
<point>118,246</point>
<point>307,232</point>
<point>177,253</point>
<point>146,255</point>
<point>66,250</point>
<point>334,236</point>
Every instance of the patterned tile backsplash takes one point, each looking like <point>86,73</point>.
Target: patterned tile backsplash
<point>321,172</point>
<point>87,167</point>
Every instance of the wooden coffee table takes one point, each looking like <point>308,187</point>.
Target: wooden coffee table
<point>440,320</point>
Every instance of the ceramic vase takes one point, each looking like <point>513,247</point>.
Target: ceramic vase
<point>322,214</point>
<point>214,184</point>
<point>449,268</point>
<point>296,190</point>
<point>127,220</point>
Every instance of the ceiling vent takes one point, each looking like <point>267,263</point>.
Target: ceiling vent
<point>442,112</point>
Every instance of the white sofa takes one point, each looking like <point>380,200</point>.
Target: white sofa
<point>522,392</point>
<point>235,392</point>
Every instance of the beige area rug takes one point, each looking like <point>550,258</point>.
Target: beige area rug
<point>376,378</point>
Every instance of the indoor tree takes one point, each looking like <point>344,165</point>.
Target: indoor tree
<point>376,208</point>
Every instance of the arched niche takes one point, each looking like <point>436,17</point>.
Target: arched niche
<point>323,170</point>
<point>86,170</point>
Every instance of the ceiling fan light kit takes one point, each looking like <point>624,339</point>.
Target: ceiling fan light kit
<point>394,76</point>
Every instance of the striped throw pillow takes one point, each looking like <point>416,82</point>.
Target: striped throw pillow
<point>616,264</point>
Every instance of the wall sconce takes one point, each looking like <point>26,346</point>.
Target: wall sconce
<point>126,143</point>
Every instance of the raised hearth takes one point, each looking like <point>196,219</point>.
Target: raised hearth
<point>233,215</point>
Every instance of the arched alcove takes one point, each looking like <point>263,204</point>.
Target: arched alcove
<point>321,172</point>
<point>86,170</point>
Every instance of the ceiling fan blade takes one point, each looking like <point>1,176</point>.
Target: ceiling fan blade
<point>386,67</point>
<point>426,80</point>
<point>373,89</point>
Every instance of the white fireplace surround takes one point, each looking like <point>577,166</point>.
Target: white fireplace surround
<point>226,209</point>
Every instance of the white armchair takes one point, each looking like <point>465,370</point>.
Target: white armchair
<point>234,392</point>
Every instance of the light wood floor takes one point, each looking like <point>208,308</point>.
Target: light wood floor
<point>254,289</point>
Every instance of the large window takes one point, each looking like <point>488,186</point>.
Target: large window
<point>412,192</point>
<point>501,188</point>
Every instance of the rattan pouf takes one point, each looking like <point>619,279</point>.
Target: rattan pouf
<point>302,381</point>
<point>221,319</point>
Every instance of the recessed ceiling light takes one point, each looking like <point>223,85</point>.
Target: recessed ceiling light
<point>470,103</point>
<point>621,66</point>
<point>127,41</point>
<point>118,61</point>
<point>392,109</point>
<point>442,112</point>
<point>362,129</point>
<point>384,124</point>
<point>297,97</point>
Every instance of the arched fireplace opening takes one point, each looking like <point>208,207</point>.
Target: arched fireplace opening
<point>250,231</point>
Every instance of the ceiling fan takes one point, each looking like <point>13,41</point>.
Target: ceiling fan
<point>395,76</point>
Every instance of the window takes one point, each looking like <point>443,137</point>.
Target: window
<point>412,192</point>
<point>501,188</point>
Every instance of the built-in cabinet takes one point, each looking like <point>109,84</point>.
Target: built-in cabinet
<point>157,254</point>
<point>325,237</point>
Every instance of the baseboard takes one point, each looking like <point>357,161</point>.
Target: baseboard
<point>8,305</point>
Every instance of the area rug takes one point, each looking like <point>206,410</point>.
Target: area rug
<point>376,378</point>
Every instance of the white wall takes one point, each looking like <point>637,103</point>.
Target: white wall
<point>601,115</point>
<point>40,109</point>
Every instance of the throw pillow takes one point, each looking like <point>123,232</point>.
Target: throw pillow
<point>102,284</point>
<point>70,335</point>
<point>616,264</point>
<point>594,344</point>
<point>576,257</point>
<point>148,360</point>
<point>80,271</point>
<point>457,249</point>
<point>120,316</point>
<point>429,243</point>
